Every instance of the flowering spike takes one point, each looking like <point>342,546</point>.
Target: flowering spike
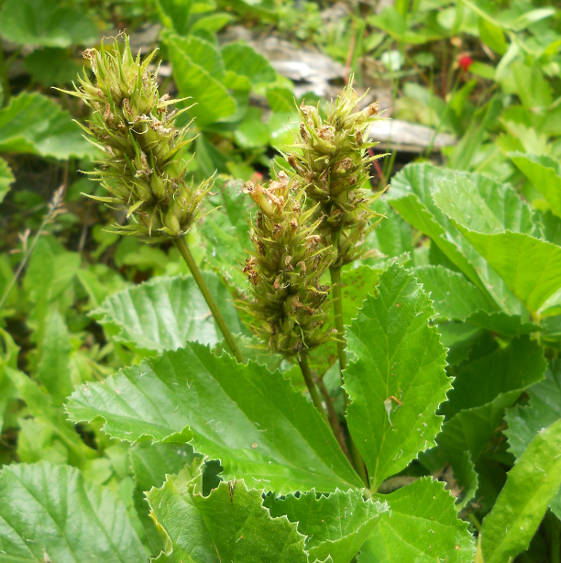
<point>285,270</point>
<point>142,164</point>
<point>330,162</point>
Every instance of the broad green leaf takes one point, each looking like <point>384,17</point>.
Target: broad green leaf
<point>482,70</point>
<point>282,128</point>
<point>211,98</point>
<point>202,53</point>
<point>455,468</point>
<point>411,194</point>
<point>504,371</point>
<point>473,429</point>
<point>212,23</point>
<point>151,464</point>
<point>455,298</point>
<point>503,323</point>
<point>492,35</point>
<point>520,22</point>
<point>234,81</point>
<point>281,100</point>
<point>225,231</point>
<point>209,158</point>
<point>6,179</point>
<point>252,132</point>
<point>551,226</point>
<point>54,368</point>
<point>243,59</point>
<point>356,286</point>
<point>398,355</point>
<point>51,269</point>
<point>40,405</point>
<point>230,524</point>
<point>544,409</point>
<point>38,442</point>
<point>530,486</point>
<point>174,14</point>
<point>483,389</point>
<point>545,173</point>
<point>52,66</point>
<point>336,525</point>
<point>250,419</point>
<point>530,267</point>
<point>459,338</point>
<point>422,526</point>
<point>46,22</point>
<point>99,281</point>
<point>532,87</point>
<point>551,328</point>
<point>51,513</point>
<point>490,211</point>
<point>164,313</point>
<point>392,236</point>
<point>35,124</point>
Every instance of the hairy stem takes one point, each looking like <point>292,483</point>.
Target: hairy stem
<point>305,368</point>
<point>337,429</point>
<point>342,354</point>
<point>212,305</point>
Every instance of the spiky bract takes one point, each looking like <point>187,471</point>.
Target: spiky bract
<point>331,163</point>
<point>143,166</point>
<point>285,270</point>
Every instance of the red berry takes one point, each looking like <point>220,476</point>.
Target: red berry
<point>465,62</point>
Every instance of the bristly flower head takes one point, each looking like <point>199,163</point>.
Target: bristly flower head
<point>142,166</point>
<point>331,164</point>
<point>285,270</point>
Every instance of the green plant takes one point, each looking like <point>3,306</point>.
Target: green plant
<point>444,345</point>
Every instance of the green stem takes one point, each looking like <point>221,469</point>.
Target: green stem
<point>475,521</point>
<point>338,311</point>
<point>212,305</point>
<point>305,368</point>
<point>337,430</point>
<point>342,354</point>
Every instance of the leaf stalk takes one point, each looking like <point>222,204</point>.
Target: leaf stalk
<point>212,305</point>
<point>337,429</point>
<point>306,372</point>
<point>337,299</point>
